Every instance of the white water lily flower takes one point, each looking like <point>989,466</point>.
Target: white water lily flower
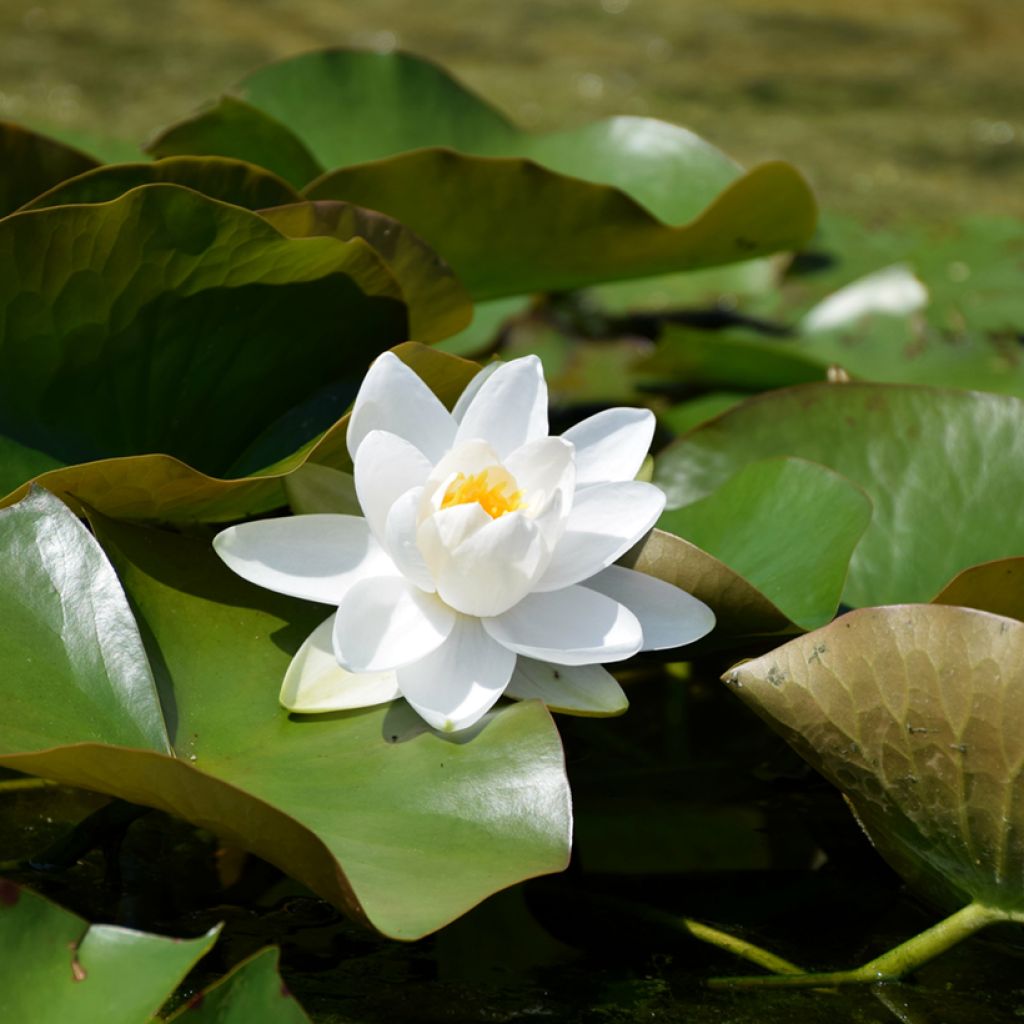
<point>484,564</point>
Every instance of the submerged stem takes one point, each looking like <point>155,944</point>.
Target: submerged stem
<point>889,966</point>
<point>16,785</point>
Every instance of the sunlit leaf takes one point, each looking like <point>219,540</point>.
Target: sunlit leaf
<point>31,163</point>
<point>60,968</point>
<point>914,712</point>
<point>996,587</point>
<point>231,181</point>
<point>787,526</point>
<point>943,469</point>
<point>403,828</point>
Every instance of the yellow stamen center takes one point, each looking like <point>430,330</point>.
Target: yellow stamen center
<point>491,496</point>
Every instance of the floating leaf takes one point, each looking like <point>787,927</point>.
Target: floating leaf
<point>403,828</point>
<point>162,487</point>
<point>31,163</point>
<point>944,470</point>
<point>914,712</point>
<point>252,993</point>
<point>996,587</point>
<point>60,968</point>
<point>438,304</point>
<point>231,181</point>
<point>787,526</point>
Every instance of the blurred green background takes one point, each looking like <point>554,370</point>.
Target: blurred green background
<point>894,108</point>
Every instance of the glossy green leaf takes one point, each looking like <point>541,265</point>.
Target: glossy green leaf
<point>402,827</point>
<point>741,610</point>
<point>231,128</point>
<point>162,487</point>
<point>31,163</point>
<point>252,993</point>
<point>549,232</point>
<point>944,470</point>
<point>787,526</point>
<point>996,587</point>
<point>60,969</point>
<point>230,181</point>
<point>914,713</point>
<point>438,304</point>
<point>399,135</point>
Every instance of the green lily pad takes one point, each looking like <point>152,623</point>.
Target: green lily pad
<point>787,526</point>
<point>59,968</point>
<point>231,128</point>
<point>438,304</point>
<point>914,713</point>
<point>403,828</point>
<point>547,231</point>
<point>741,610</point>
<point>231,181</point>
<point>31,163</point>
<point>252,993</point>
<point>996,587</point>
<point>684,416</point>
<point>944,470</point>
<point>559,210</point>
<point>162,487</point>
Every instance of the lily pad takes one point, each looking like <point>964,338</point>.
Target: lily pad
<point>591,204</point>
<point>58,967</point>
<point>944,470</point>
<point>914,713</point>
<point>231,181</point>
<point>438,304</point>
<point>996,587</point>
<point>31,163</point>
<point>787,526</point>
<point>162,487</point>
<point>403,828</point>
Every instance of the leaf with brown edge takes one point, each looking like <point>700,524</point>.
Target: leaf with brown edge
<point>31,163</point>
<point>996,587</point>
<point>438,304</point>
<point>914,712</point>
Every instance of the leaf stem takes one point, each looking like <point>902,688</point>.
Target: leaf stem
<point>889,966</point>
<point>16,785</point>
<point>741,948</point>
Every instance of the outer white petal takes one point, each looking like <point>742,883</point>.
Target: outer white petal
<point>669,617</point>
<point>611,445</point>
<point>454,687</point>
<point>316,682</point>
<point>393,398</point>
<point>605,522</point>
<point>509,409</point>
<point>400,539</point>
<point>386,466</point>
<point>470,390</point>
<point>316,557</point>
<point>574,626</point>
<point>588,690</point>
<point>494,568</point>
<point>388,622</point>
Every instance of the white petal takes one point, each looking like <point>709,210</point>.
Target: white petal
<point>588,690</point>
<point>443,531</point>
<point>314,488</point>
<point>388,622</point>
<point>606,520</point>
<point>454,687</point>
<point>400,539</point>
<point>316,557</point>
<point>470,390</point>
<point>510,408</point>
<point>669,617</point>
<point>574,626</point>
<point>316,682</point>
<point>611,445</point>
<point>494,568</point>
<point>386,467</point>
<point>393,398</point>
<point>892,291</point>
<point>543,467</point>
<point>469,458</point>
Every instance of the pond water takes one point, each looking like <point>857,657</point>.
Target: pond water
<point>894,108</point>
